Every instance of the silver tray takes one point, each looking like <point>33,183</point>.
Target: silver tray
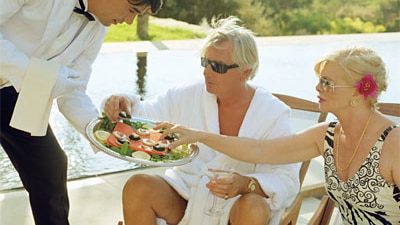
<point>92,126</point>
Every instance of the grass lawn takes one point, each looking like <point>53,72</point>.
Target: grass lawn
<point>125,32</point>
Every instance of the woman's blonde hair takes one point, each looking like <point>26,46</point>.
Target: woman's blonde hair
<point>357,62</point>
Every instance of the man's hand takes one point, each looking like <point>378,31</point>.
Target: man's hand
<point>118,107</point>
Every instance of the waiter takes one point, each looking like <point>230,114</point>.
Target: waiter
<point>47,48</point>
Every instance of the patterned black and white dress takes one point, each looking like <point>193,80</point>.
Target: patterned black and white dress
<point>365,198</point>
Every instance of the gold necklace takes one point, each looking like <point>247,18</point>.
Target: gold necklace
<point>357,147</point>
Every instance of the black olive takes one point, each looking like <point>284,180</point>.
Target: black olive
<point>169,137</point>
<point>159,148</point>
<point>122,141</point>
<point>124,115</point>
<point>134,137</point>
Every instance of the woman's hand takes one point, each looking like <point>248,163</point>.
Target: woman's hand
<point>118,107</point>
<point>186,135</point>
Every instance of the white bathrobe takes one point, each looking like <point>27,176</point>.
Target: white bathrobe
<point>193,106</point>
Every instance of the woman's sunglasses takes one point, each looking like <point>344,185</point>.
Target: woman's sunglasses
<point>325,84</point>
<point>216,66</point>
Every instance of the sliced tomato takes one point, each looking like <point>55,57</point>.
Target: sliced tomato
<point>134,145</point>
<point>150,150</point>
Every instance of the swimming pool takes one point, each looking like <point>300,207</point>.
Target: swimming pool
<point>284,69</point>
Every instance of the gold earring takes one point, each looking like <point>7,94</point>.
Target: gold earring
<point>353,102</point>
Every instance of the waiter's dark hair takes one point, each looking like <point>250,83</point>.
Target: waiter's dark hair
<point>154,4</point>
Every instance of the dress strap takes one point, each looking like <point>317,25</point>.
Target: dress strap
<point>387,131</point>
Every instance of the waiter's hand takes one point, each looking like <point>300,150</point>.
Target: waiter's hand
<point>66,82</point>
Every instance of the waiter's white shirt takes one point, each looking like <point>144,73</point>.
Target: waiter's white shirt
<point>50,30</point>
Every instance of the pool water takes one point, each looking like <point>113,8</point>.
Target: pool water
<point>286,69</point>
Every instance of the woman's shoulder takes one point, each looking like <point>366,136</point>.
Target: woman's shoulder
<point>391,136</point>
<point>388,129</point>
<point>390,154</point>
<point>321,128</point>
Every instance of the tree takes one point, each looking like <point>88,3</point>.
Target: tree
<point>142,29</point>
<point>293,17</point>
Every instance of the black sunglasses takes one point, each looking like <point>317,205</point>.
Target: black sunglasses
<point>216,66</point>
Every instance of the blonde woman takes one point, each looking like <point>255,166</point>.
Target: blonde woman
<point>361,149</point>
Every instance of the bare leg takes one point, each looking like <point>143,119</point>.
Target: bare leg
<point>250,209</point>
<point>146,197</point>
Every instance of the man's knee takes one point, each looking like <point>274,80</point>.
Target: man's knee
<point>145,186</point>
<point>250,205</point>
<point>138,184</point>
<point>253,201</point>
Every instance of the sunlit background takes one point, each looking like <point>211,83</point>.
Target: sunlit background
<point>286,69</point>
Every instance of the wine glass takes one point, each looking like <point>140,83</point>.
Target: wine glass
<point>213,175</point>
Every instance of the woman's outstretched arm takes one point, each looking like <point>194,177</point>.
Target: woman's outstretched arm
<point>299,147</point>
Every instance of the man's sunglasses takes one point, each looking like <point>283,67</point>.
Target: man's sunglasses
<point>216,66</point>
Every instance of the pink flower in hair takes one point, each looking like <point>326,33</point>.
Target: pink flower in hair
<point>367,86</point>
